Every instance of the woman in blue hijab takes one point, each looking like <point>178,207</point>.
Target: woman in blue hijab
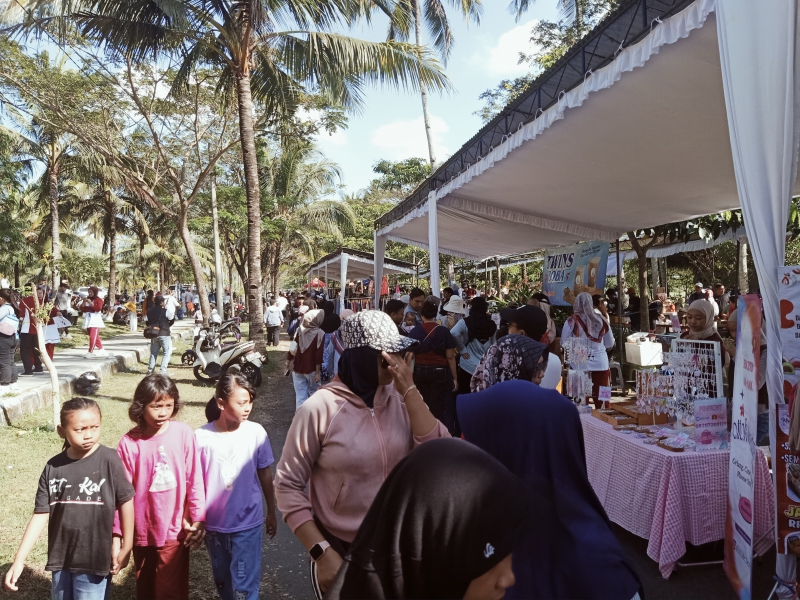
<point>536,433</point>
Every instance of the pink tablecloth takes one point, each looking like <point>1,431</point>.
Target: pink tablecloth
<point>666,497</point>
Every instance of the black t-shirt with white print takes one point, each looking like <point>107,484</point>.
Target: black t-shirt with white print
<point>81,497</point>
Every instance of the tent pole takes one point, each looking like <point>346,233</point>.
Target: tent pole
<point>620,342</point>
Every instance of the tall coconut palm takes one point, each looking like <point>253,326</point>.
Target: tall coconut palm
<point>271,51</point>
<point>297,179</point>
<point>433,14</point>
<point>106,215</point>
<point>58,154</point>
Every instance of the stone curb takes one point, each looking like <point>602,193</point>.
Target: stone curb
<point>15,407</point>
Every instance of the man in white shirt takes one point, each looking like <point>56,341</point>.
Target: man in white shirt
<point>283,302</point>
<point>171,304</point>
<point>273,319</point>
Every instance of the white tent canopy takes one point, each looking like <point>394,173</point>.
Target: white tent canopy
<point>345,264</point>
<point>697,111</point>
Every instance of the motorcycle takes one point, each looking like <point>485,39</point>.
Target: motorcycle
<point>212,358</point>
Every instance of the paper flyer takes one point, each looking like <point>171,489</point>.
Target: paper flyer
<point>711,424</point>
<point>741,472</point>
<point>570,270</point>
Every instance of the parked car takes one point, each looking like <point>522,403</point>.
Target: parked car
<point>83,292</point>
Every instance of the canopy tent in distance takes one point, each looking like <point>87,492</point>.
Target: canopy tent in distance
<point>346,263</point>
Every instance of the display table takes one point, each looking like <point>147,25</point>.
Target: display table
<point>669,498</point>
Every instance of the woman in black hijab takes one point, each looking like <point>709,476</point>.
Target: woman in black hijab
<point>443,525</point>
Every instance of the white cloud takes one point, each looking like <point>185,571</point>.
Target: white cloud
<point>337,138</point>
<point>501,58</point>
<point>405,139</point>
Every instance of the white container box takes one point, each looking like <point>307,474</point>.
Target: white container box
<point>647,354</point>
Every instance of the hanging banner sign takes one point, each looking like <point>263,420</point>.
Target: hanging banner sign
<point>742,467</point>
<point>787,478</point>
<point>789,288</point>
<point>570,270</point>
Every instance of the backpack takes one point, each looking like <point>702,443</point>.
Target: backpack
<point>9,325</point>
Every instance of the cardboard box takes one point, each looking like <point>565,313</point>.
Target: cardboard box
<point>641,418</point>
<point>617,418</point>
<point>648,354</point>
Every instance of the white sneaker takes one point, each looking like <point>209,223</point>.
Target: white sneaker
<point>89,355</point>
<point>101,353</point>
<point>68,336</point>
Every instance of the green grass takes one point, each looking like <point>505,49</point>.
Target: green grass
<point>26,446</point>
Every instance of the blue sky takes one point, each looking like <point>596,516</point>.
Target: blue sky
<point>391,125</point>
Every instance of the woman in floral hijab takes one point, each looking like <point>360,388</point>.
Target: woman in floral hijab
<point>513,357</point>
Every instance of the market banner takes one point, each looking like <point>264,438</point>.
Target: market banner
<point>787,478</point>
<point>711,424</point>
<point>742,467</point>
<point>570,270</point>
<point>789,279</point>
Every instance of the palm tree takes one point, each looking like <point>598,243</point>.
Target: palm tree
<point>435,19</point>
<point>297,180</point>
<point>106,214</point>
<point>58,154</point>
<point>259,61</point>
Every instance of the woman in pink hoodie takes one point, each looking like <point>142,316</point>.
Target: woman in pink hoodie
<point>347,437</point>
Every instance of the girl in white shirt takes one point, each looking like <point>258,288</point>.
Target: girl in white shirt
<point>586,323</point>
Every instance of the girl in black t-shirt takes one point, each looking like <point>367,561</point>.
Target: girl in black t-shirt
<point>80,491</point>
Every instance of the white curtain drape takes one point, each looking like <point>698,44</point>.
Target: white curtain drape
<point>758,54</point>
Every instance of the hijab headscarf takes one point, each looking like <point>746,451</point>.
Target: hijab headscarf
<point>543,302</point>
<point>358,370</point>
<point>705,307</point>
<point>310,332</point>
<point>593,325</point>
<point>536,433</point>
<point>480,325</point>
<point>447,514</point>
<point>332,321</point>
<point>513,357</point>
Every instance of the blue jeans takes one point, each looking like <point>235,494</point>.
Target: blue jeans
<point>162,341</point>
<point>304,386</point>
<point>80,586</point>
<point>236,563</point>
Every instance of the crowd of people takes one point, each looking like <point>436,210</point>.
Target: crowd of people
<point>431,455</point>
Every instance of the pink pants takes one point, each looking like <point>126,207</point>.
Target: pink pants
<point>94,339</point>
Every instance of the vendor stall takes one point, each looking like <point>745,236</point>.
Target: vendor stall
<point>669,498</point>
<point>346,264</point>
<point>664,112</point>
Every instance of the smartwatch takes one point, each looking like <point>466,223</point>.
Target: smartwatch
<point>317,550</point>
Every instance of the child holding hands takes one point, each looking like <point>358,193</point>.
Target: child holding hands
<point>235,456</point>
<point>161,460</point>
<point>80,491</point>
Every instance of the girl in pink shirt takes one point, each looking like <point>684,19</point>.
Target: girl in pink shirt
<point>162,461</point>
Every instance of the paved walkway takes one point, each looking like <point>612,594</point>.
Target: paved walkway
<point>124,351</point>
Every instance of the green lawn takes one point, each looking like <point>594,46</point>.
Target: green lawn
<point>26,447</point>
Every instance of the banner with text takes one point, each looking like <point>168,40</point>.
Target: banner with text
<point>742,467</point>
<point>787,478</point>
<point>789,280</point>
<point>570,270</point>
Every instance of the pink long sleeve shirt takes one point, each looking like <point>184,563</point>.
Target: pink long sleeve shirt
<point>337,454</point>
<point>165,473</point>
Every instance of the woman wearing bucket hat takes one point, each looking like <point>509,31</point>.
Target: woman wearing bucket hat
<point>454,312</point>
<point>346,438</point>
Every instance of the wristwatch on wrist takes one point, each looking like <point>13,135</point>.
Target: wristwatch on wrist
<point>317,550</point>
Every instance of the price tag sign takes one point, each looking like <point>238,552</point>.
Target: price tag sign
<point>605,393</point>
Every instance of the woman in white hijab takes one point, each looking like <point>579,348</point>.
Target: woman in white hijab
<point>306,353</point>
<point>585,323</point>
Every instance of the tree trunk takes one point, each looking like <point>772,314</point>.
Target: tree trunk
<point>422,90</point>
<point>112,253</point>
<point>217,251</point>
<point>248,142</point>
<point>55,225</point>
<point>488,275</point>
<point>16,275</point>
<point>656,275</point>
<point>55,387</point>
<point>197,268</point>
<point>743,283</point>
<point>644,296</point>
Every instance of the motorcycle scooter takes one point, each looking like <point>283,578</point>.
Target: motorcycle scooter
<point>212,359</point>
